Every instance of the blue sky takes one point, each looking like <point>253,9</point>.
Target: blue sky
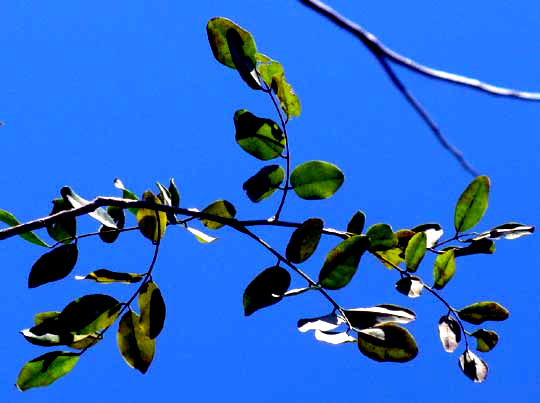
<point>131,90</point>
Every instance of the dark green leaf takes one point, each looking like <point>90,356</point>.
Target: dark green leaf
<point>472,204</point>
<point>53,265</point>
<point>381,237</point>
<point>472,366</point>
<point>259,137</point>
<point>410,286</point>
<point>511,230</point>
<point>485,339</point>
<point>449,333</point>
<point>126,194</point>
<point>77,201</point>
<point>363,318</point>
<point>356,224</point>
<point>136,348</point>
<point>108,234</point>
<point>264,183</point>
<point>107,276</point>
<point>175,193</point>
<point>415,251</point>
<point>9,219</point>
<point>152,308</point>
<point>486,246</point>
<point>341,262</point>
<point>387,342</point>
<point>45,369</point>
<point>147,219</point>
<point>480,312</point>
<point>304,240</point>
<point>323,323</point>
<point>220,208</point>
<point>63,229</point>
<point>444,269</point>
<point>315,180</point>
<point>89,314</point>
<point>266,289</point>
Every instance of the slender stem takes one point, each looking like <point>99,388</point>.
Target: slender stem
<point>89,234</point>
<point>377,48</point>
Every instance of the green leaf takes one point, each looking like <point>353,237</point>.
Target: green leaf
<point>449,333</point>
<point>387,342</point>
<point>136,348</point>
<point>273,75</point>
<point>108,234</point>
<point>147,219</point>
<point>472,204</point>
<point>39,318</point>
<point>485,339</point>
<point>88,314</point>
<point>304,240</point>
<point>234,47</point>
<point>391,257</point>
<point>415,251</point>
<point>264,183</point>
<point>480,312</point>
<point>444,269</point>
<point>266,289</point>
<point>410,286</point>
<point>175,193</point>
<point>152,308</point>
<point>342,261</point>
<point>485,246</point>
<point>201,236</point>
<point>53,265</point>
<point>77,201</point>
<point>473,367</point>
<point>220,208</point>
<point>45,369</point>
<point>259,137</point>
<point>356,224</point>
<point>107,276</point>
<point>381,237</point>
<point>363,318</point>
<point>315,180</point>
<point>65,229</point>
<point>10,220</point>
<point>126,194</point>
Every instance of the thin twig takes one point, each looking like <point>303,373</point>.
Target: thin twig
<point>376,47</point>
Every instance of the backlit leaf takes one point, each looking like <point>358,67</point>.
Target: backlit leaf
<point>201,236</point>
<point>449,333</point>
<point>472,204</point>
<point>152,308</point>
<point>485,339</point>
<point>472,366</point>
<point>77,201</point>
<point>480,312</point>
<point>315,180</point>
<point>264,183</point>
<point>363,318</point>
<point>511,230</point>
<point>126,194</point>
<point>304,240</point>
<point>444,269</point>
<point>433,232</point>
<point>45,369</point>
<point>324,323</point>
<point>53,265</point>
<point>410,286</point>
<point>175,193</point>
<point>341,262</point>
<point>164,196</point>
<point>136,348</point>
<point>381,237</point>
<point>415,251</point>
<point>220,208</point>
<point>63,229</point>
<point>147,219</point>
<point>356,224</point>
<point>108,276</point>
<point>9,219</point>
<point>387,342</point>
<point>266,289</point>
<point>334,337</point>
<point>259,137</point>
